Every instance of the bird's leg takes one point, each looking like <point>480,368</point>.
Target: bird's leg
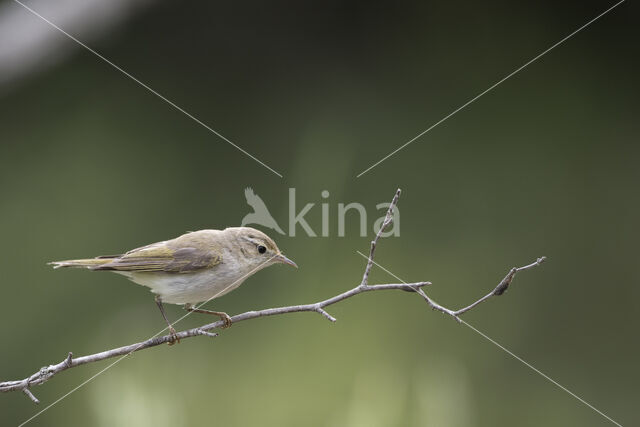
<point>174,336</point>
<point>221,314</point>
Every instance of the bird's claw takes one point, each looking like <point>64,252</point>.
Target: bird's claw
<point>226,320</point>
<point>174,336</point>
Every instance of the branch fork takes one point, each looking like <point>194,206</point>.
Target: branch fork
<point>45,373</point>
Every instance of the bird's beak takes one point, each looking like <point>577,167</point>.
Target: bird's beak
<point>283,259</point>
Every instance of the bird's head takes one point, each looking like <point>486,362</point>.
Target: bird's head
<point>256,249</point>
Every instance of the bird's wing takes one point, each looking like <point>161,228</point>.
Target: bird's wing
<point>254,200</point>
<point>165,257</point>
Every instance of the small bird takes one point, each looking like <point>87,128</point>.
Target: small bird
<point>260,214</point>
<point>195,267</point>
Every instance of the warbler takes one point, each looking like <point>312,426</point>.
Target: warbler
<point>195,267</point>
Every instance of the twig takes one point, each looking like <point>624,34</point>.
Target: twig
<point>499,290</point>
<point>30,395</point>
<point>45,373</point>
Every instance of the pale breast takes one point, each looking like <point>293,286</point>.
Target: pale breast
<point>190,288</point>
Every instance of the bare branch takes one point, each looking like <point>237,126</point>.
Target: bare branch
<point>207,334</point>
<point>68,361</point>
<point>499,290</point>
<point>325,314</point>
<point>45,373</point>
<point>502,286</point>
<point>30,395</point>
<point>388,219</point>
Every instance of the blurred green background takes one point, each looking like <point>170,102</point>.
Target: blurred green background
<point>546,164</point>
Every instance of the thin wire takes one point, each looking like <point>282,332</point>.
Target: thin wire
<point>156,93</point>
<point>541,373</point>
<point>135,349</point>
<point>512,354</point>
<point>490,88</point>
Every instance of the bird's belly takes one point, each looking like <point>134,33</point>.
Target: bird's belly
<point>187,288</point>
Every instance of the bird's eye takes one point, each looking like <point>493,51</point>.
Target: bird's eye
<point>262,249</point>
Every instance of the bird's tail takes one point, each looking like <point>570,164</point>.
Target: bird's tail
<point>83,263</point>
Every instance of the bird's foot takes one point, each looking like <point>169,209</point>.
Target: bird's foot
<point>174,336</point>
<point>226,320</point>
